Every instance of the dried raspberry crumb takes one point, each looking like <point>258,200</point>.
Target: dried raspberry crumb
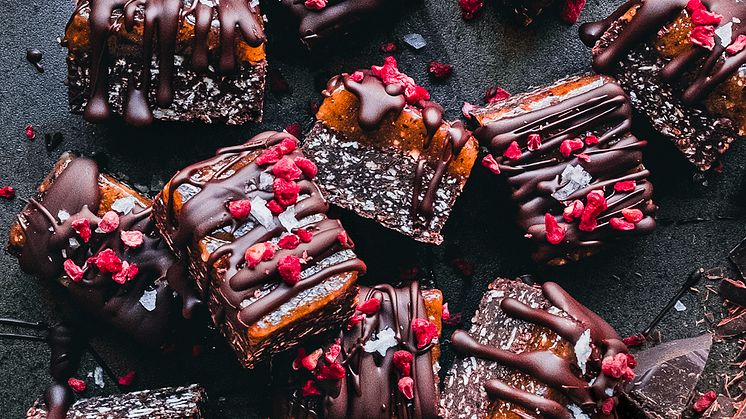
<point>425,332</point>
<point>463,266</point>
<point>703,17</point>
<point>127,379</point>
<point>406,386</point>
<point>591,140</point>
<point>403,361</point>
<point>333,371</point>
<point>390,74</point>
<point>369,307</point>
<point>533,142</point>
<point>259,252</point>
<point>298,359</point>
<point>389,47</point>
<point>469,8</point>
<point>439,70</point>
<point>737,45</point>
<point>7,192</point>
<point>555,233</point>
<point>634,340</point>
<point>310,361</point>
<point>595,205</point>
<point>571,10</point>
<point>269,156</point>
<point>127,273</point>
<point>274,207</point>
<point>467,108</point>
<point>310,389</point>
<point>625,186</point>
<point>445,313</point>
<point>704,401</point>
<point>573,211</point>
<point>76,384</point>
<point>289,269</point>
<point>132,238</point>
<point>286,191</point>
<point>108,223</point>
<point>72,270</point>
<point>29,131</point>
<point>617,367</point>
<point>513,151</point>
<point>286,169</point>
<point>304,235</point>
<point>495,94</point>
<point>306,166</point>
<point>703,36</point>
<point>582,156</point>
<point>289,242</point>
<point>332,353</point>
<point>83,228</point>
<point>357,76</point>
<point>608,406</point>
<point>568,146</point>
<point>294,130</point>
<point>694,5</point>
<point>239,209</point>
<point>491,164</point>
<point>315,4</point>
<point>107,261</point>
<point>286,146</point>
<point>354,320</point>
<point>344,239</point>
<point>633,215</point>
<point>619,223</point>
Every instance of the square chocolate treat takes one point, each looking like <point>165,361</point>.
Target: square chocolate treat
<point>252,226</point>
<point>573,166</point>
<point>174,61</point>
<point>382,364</point>
<point>385,152</point>
<point>681,64</point>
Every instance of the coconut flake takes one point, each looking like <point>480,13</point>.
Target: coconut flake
<point>63,215</point>
<point>287,218</point>
<point>148,299</point>
<point>262,214</point>
<point>572,179</point>
<point>725,34</point>
<point>124,205</point>
<point>583,349</point>
<point>386,339</point>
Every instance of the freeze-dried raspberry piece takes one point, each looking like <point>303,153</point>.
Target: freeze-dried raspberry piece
<point>369,307</point>
<point>591,140</point>
<point>310,361</point>
<point>425,332</point>
<point>617,367</point>
<point>294,130</point>
<point>406,386</point>
<point>127,379</point>
<point>595,205</point>
<point>491,164</point>
<point>513,151</point>
<point>76,384</point>
<point>694,5</point>
<point>571,10</point>
<point>634,340</point>
<point>344,239</point>
<point>304,235</point>
<point>555,233</point>
<point>619,223</point>
<point>239,209</point>
<point>286,191</point>
<point>289,269</point>
<point>703,17</point>
<point>625,186</point>
<point>298,359</point>
<point>607,406</point>
<point>315,4</point>
<point>439,70</point>
<point>704,402</point>
<point>289,242</point>
<point>737,45</point>
<point>7,192</point>
<point>533,142</point>
<point>633,215</point>
<point>469,8</point>
<point>332,353</point>
<point>573,211</point>
<point>259,252</point>
<point>72,270</point>
<point>108,223</point>
<point>107,261</point>
<point>83,227</point>
<point>703,36</point>
<point>403,361</point>
<point>495,94</point>
<point>29,131</point>
<point>333,371</point>
<point>310,389</point>
<point>568,146</point>
<point>388,47</point>
<point>127,273</point>
<point>389,73</point>
<point>354,320</point>
<point>132,239</point>
<point>274,207</point>
<point>306,166</point>
<point>286,146</point>
<point>286,169</point>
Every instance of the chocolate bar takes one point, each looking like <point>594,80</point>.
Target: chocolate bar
<point>535,352</point>
<point>382,364</point>
<point>385,152</point>
<point>95,236</point>
<point>252,226</point>
<point>679,61</point>
<point>185,60</point>
<point>574,167</point>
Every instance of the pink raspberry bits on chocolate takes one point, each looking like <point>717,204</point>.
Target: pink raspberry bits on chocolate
<point>289,269</point>
<point>469,8</point>
<point>703,36</point>
<point>633,215</point>
<point>259,252</point>
<point>310,361</point>
<point>310,389</point>
<point>109,222</point>
<point>568,146</point>
<point>617,367</point>
<point>571,10</point>
<point>286,169</point>
<point>704,402</point>
<point>406,386</point>
<point>737,45</point>
<point>127,379</point>
<point>107,261</point>
<point>76,384</point>
<point>389,73</point>
<point>403,361</point>
<point>607,406</point>
<point>132,239</point>
<point>127,273</point>
<point>286,191</point>
<point>83,227</point>
<point>304,235</point>
<point>289,242</point>
<point>618,223</point>
<point>333,371</point>
<point>513,151</point>
<point>369,307</point>
<point>239,209</point>
<point>332,353</point>
<point>315,4</point>
<point>491,164</point>
<point>555,233</point>
<point>595,205</point>
<point>306,166</point>
<point>72,270</point>
<point>625,186</point>
<point>425,332</point>
<point>533,142</point>
<point>495,94</point>
<point>702,17</point>
<point>573,211</point>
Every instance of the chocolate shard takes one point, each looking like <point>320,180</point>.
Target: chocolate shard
<point>165,403</point>
<point>252,226</point>
<point>387,359</point>
<point>574,168</point>
<point>733,291</point>
<point>534,352</point>
<point>738,257</point>
<point>185,60</point>
<point>688,87</point>
<point>666,377</point>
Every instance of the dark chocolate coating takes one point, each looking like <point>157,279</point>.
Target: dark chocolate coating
<point>161,26</point>
<point>47,243</point>
<point>599,107</point>
<point>369,388</point>
<point>544,366</point>
<point>206,212</point>
<point>66,347</point>
<point>709,68</point>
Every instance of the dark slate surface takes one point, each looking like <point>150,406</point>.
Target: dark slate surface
<point>627,284</point>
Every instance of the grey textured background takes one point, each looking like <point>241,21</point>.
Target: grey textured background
<point>627,284</point>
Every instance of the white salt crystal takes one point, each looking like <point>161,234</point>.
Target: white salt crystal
<point>63,215</point>
<point>583,349</point>
<point>124,205</point>
<point>415,40</point>
<point>261,213</point>
<point>386,339</point>
<point>679,306</point>
<point>148,299</point>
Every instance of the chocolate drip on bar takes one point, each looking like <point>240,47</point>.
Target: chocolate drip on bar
<point>206,212</point>
<point>161,28</point>
<point>49,241</point>
<point>66,348</point>
<point>710,67</point>
<point>545,366</point>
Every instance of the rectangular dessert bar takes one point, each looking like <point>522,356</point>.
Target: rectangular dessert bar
<point>164,403</point>
<point>386,153</point>
<point>682,74</point>
<point>94,235</point>
<point>252,226</point>
<point>574,168</point>
<point>382,364</point>
<point>172,61</point>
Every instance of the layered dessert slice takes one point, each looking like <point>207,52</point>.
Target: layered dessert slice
<point>535,352</point>
<point>385,152</point>
<point>181,60</point>
<point>574,168</point>
<point>252,226</point>
<point>681,63</point>
<point>382,364</point>
<point>94,236</point>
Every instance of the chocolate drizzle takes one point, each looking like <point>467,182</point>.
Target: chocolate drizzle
<point>252,292</point>
<point>66,348</point>
<point>599,108</point>
<point>162,21</point>
<point>709,68</point>
<point>545,366</point>
<point>47,242</point>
